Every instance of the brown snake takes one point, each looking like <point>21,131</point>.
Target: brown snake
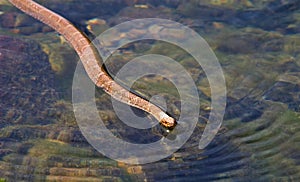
<point>89,58</point>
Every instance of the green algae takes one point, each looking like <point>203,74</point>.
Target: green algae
<point>52,159</point>
<point>153,86</point>
<point>292,44</point>
<point>62,59</point>
<point>45,148</point>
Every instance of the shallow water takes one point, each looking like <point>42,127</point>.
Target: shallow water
<point>257,44</point>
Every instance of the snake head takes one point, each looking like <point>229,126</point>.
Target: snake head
<point>168,122</point>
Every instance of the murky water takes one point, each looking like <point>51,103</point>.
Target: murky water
<point>256,42</point>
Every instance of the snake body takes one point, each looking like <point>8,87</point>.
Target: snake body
<point>89,58</point>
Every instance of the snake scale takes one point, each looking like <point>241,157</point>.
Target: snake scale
<point>89,58</point>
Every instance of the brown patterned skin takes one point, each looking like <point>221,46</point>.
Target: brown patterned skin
<point>90,60</point>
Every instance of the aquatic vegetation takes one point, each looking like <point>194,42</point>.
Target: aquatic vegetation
<point>292,44</point>
<point>46,159</point>
<point>28,92</point>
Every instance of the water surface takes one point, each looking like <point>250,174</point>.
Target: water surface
<point>257,44</point>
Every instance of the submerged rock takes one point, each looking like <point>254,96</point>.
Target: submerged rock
<point>286,90</point>
<point>250,41</point>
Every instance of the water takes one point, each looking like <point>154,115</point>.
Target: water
<point>257,44</point>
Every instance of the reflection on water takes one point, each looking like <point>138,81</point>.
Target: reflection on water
<point>256,42</point>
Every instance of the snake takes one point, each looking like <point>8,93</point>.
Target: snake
<point>90,60</point>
